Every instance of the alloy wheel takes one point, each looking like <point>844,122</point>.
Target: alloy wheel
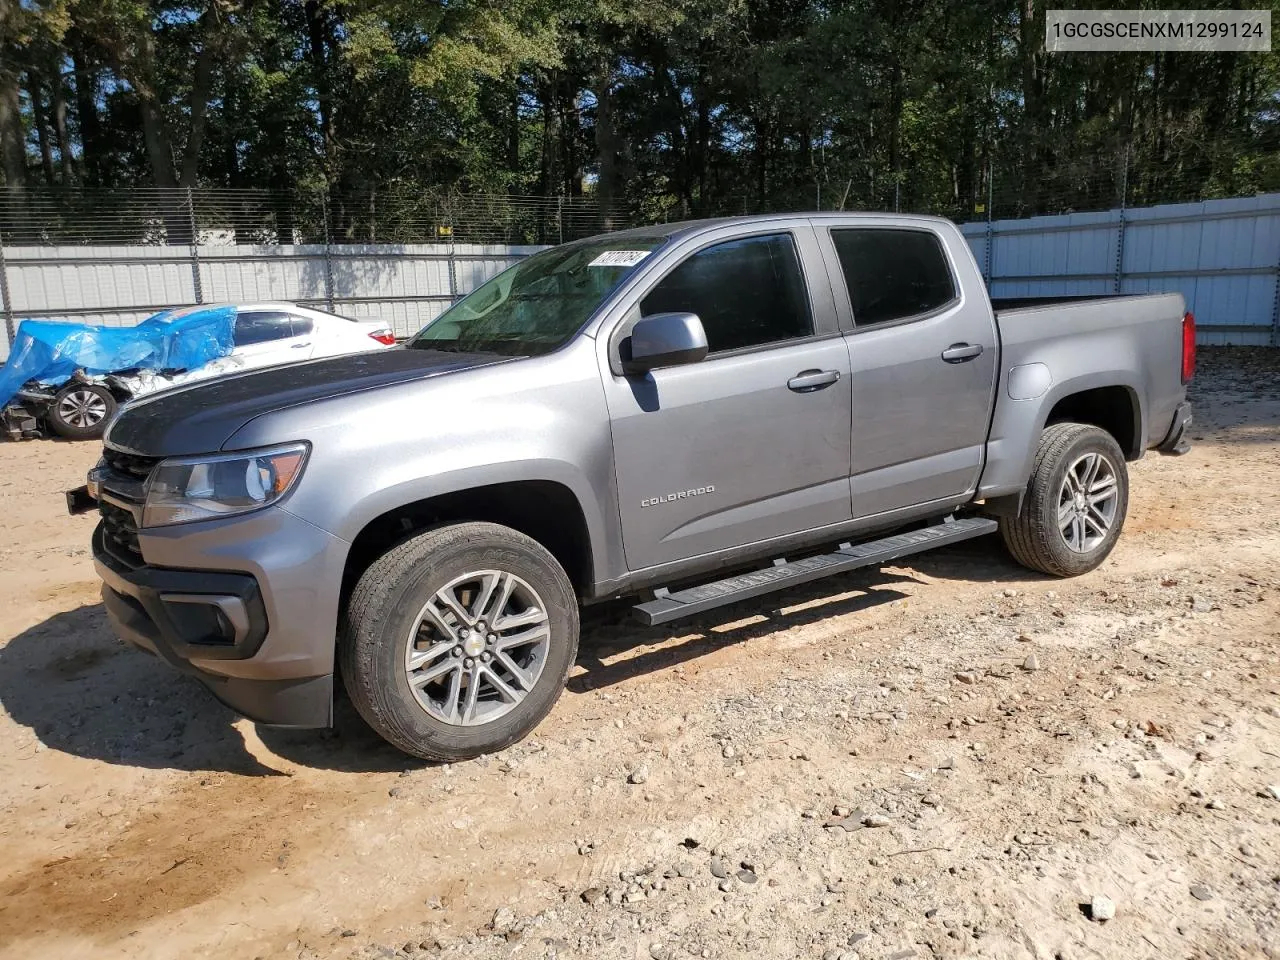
<point>82,408</point>
<point>477,647</point>
<point>1087,502</point>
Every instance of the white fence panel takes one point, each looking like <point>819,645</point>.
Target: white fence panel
<point>57,281</point>
<point>243,274</point>
<point>1223,256</point>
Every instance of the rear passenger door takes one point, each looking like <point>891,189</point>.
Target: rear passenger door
<point>304,337</point>
<point>265,337</point>
<point>751,443</point>
<point>922,357</point>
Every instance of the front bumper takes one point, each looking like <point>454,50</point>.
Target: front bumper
<point>247,604</point>
<point>182,614</point>
<point>1177,441</point>
<point>193,618</point>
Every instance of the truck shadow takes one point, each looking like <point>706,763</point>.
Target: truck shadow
<point>80,691</point>
<point>609,630</point>
<point>83,692</point>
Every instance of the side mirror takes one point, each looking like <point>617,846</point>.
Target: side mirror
<point>665,340</point>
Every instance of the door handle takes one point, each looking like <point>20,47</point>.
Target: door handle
<point>807,381</point>
<point>960,352</point>
<point>299,346</point>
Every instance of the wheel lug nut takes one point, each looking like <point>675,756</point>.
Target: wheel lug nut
<point>493,638</point>
<point>457,651</point>
<point>468,663</point>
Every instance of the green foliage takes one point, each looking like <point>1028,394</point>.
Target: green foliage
<point>660,108</point>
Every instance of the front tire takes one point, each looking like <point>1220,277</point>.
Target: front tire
<point>1075,503</point>
<point>81,411</point>
<point>459,641</point>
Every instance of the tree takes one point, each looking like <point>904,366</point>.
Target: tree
<point>366,117</point>
<point>168,52</point>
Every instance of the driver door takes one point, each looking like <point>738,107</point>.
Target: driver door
<point>751,443</point>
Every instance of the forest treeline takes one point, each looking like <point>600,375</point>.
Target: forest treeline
<point>655,108</point>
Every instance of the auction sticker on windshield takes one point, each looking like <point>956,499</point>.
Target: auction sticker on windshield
<point>619,258</point>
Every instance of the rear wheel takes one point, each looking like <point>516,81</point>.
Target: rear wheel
<point>81,411</point>
<point>1075,503</point>
<point>458,641</point>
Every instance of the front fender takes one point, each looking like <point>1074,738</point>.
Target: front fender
<point>413,489</point>
<point>540,419</point>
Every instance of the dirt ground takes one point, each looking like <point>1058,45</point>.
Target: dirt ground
<point>1017,746</point>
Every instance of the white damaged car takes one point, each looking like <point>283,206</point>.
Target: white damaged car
<point>78,406</point>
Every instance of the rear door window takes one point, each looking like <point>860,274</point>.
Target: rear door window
<point>262,326</point>
<point>747,293</point>
<point>893,274</point>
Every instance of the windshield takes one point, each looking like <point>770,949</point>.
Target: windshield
<point>537,305</point>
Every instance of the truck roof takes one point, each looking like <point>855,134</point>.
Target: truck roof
<point>688,227</point>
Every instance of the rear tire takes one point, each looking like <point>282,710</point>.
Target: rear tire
<point>459,641</point>
<point>81,411</point>
<point>1075,503</point>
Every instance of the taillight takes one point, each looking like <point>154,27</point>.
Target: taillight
<point>384,336</point>
<point>1188,346</point>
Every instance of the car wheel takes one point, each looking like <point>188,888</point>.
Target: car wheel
<point>1075,503</point>
<point>81,411</point>
<point>459,641</point>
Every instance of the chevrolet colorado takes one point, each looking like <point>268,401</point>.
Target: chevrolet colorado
<point>648,413</point>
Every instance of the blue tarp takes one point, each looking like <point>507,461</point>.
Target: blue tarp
<point>51,352</point>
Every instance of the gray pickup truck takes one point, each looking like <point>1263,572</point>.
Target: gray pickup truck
<point>691,415</point>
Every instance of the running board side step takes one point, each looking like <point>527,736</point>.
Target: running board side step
<point>683,603</point>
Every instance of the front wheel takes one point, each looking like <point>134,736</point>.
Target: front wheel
<point>81,411</point>
<point>1075,503</point>
<point>458,641</point>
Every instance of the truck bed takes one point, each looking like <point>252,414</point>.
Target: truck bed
<point>1006,304</point>
<point>1130,345</point>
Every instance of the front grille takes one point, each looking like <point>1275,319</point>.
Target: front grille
<point>120,534</point>
<point>123,479</point>
<point>129,464</point>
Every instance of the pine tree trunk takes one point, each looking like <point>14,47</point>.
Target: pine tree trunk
<point>513,135</point>
<point>13,154</point>
<point>606,150</point>
<point>39,117</point>
<point>66,158</point>
<point>88,122</point>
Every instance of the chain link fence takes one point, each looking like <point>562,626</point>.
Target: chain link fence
<point>218,216</point>
<point>1009,184</point>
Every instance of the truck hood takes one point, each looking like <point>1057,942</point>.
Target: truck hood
<point>200,418</point>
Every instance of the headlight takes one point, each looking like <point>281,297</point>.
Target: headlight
<point>186,489</point>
